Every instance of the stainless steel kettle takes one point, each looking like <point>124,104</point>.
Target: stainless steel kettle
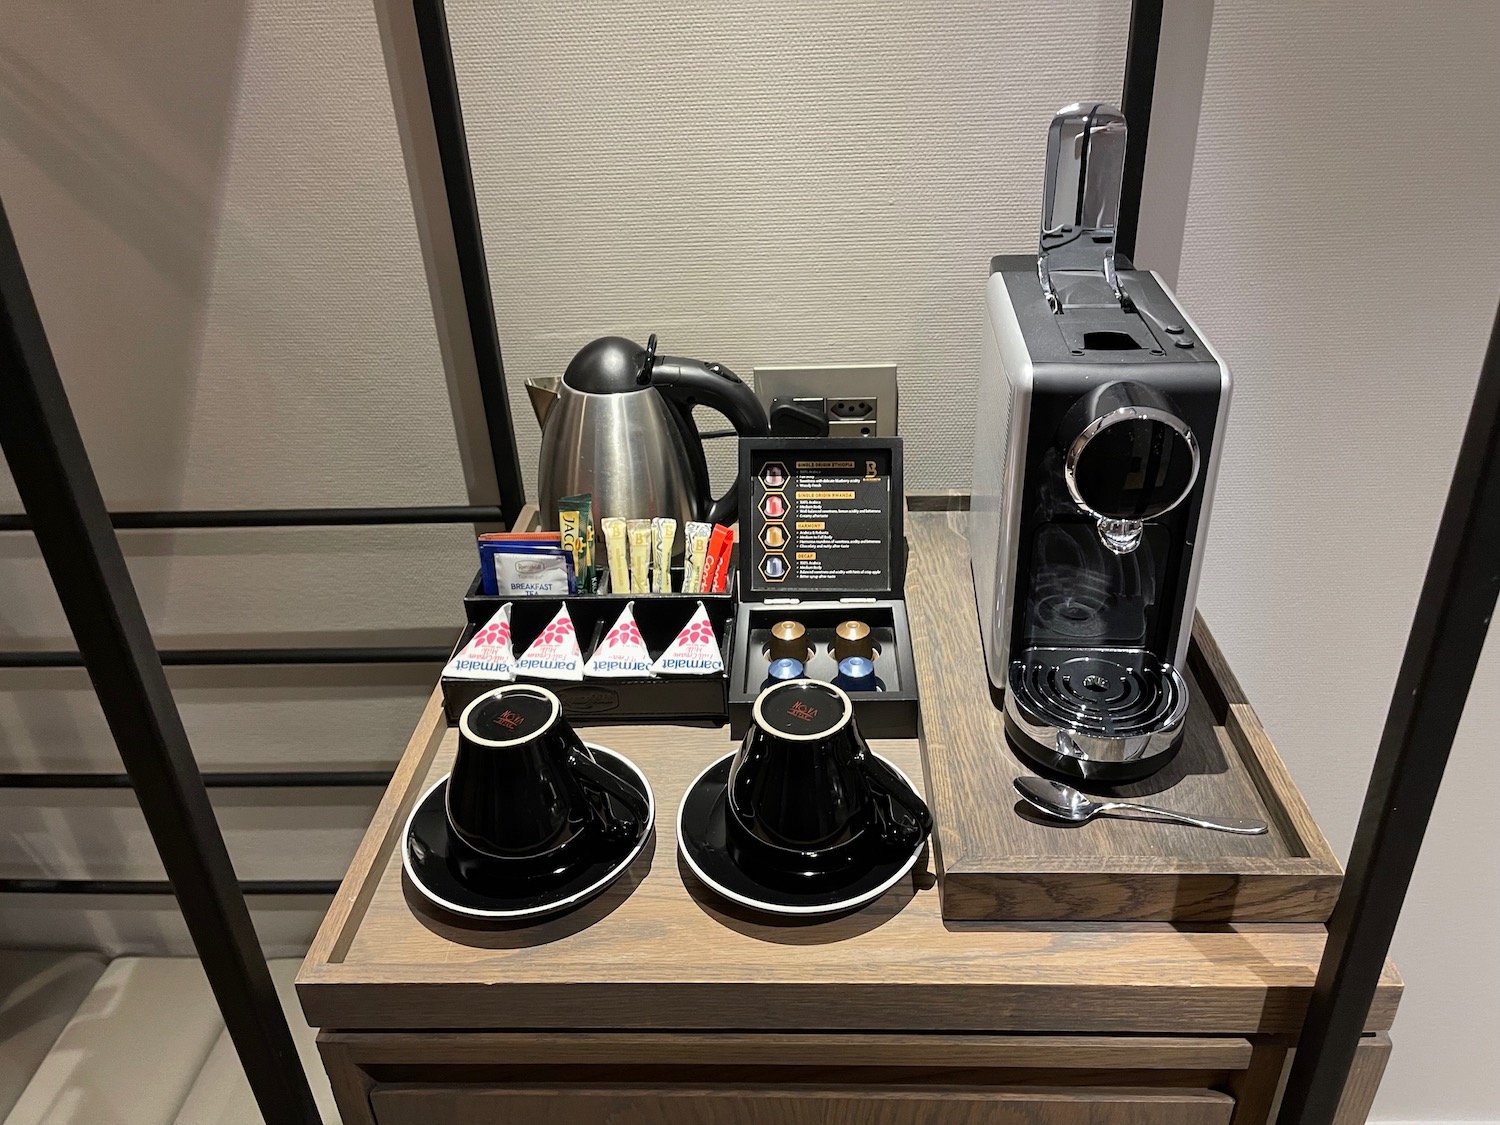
<point>619,424</point>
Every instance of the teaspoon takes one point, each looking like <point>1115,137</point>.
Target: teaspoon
<point>1066,803</point>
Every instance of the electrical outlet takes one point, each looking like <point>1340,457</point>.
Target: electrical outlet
<point>860,401</point>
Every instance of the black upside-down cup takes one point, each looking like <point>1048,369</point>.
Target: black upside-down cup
<point>807,799</point>
<point>526,799</point>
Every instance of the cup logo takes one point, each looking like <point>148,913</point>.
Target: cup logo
<point>510,715</point>
<point>509,720</point>
<point>800,710</point>
<point>803,709</point>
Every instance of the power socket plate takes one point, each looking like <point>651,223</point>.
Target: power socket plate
<point>860,398</point>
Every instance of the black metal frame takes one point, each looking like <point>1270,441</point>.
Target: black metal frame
<point>1453,613</point>
<point>1447,635</point>
<point>473,267</point>
<point>58,488</point>
<point>231,657</point>
<point>75,534</point>
<point>152,887</point>
<point>1136,98</point>
<point>245,779</point>
<point>284,517</point>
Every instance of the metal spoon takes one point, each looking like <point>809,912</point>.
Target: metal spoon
<point>1067,803</point>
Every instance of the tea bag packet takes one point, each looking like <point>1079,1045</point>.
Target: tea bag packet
<point>498,542</point>
<point>695,652</point>
<point>527,570</point>
<point>621,652</point>
<point>488,656</point>
<point>555,654</point>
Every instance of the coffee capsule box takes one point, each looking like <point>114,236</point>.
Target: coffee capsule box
<point>889,712</point>
<point>813,511</point>
<point>660,617</point>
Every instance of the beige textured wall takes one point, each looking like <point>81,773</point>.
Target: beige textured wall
<point>213,211</point>
<point>767,182</point>
<point>1332,252</point>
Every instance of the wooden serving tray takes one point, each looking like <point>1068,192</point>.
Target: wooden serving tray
<point>996,863</point>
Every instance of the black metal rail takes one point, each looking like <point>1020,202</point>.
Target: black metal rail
<point>159,887</point>
<point>1447,636</point>
<point>239,657</point>
<point>285,517</point>
<point>249,779</point>
<point>463,211</point>
<point>57,486</point>
<point>1138,93</point>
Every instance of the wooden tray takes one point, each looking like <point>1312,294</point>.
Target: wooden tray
<point>994,863</point>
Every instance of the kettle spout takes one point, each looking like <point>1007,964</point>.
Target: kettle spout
<point>543,395</point>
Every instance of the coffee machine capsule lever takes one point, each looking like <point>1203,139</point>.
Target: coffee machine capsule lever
<point>1081,196</point>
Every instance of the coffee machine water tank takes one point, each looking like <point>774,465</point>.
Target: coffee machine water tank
<point>1097,442</point>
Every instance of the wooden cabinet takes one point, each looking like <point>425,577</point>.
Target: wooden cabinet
<point>704,1078</point>
<point>660,1003</point>
<point>789,1078</point>
<point>781,1105</point>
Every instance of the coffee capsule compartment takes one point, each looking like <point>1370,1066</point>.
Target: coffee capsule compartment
<point>820,634</point>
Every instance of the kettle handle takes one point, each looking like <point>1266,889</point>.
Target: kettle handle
<point>686,383</point>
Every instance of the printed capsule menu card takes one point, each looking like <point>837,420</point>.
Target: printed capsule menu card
<point>820,518</point>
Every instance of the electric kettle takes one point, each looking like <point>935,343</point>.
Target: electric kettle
<point>619,425</point>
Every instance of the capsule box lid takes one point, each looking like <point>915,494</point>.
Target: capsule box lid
<point>821,518</point>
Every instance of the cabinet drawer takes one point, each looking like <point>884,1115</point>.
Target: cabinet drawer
<point>795,1105</point>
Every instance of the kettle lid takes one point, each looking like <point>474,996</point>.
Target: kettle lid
<point>611,365</point>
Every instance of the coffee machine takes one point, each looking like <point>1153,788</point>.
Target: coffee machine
<point>1100,423</point>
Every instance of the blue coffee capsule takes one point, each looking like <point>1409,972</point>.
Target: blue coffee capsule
<point>784,669</point>
<point>856,674</point>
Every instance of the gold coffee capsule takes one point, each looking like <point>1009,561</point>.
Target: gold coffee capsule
<point>852,638</point>
<point>788,641</point>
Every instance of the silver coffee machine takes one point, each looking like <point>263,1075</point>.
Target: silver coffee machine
<point>1101,419</point>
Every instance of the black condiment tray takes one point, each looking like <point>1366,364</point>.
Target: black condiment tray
<point>665,699</point>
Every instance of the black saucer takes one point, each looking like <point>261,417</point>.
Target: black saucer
<point>702,842</point>
<point>426,842</point>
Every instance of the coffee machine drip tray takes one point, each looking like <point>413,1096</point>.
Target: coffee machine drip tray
<point>1103,715</point>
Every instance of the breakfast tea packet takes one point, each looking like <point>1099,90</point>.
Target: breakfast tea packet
<point>528,570</point>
